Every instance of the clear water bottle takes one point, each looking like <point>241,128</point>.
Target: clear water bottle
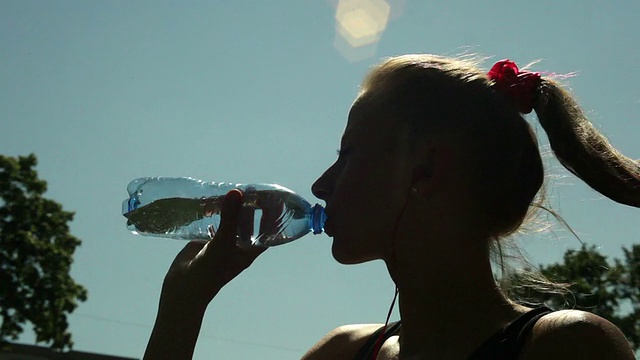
<point>186,208</point>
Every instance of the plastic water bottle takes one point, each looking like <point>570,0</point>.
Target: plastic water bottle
<point>187,208</point>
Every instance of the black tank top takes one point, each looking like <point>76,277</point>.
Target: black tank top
<point>506,344</point>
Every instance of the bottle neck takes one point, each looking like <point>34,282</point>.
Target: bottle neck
<point>318,217</point>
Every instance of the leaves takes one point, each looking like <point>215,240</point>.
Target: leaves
<point>610,290</point>
<point>36,253</point>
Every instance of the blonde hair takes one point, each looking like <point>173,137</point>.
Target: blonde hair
<point>439,95</point>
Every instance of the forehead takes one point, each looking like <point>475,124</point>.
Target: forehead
<point>368,122</point>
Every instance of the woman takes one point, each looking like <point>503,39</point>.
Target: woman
<point>440,156</point>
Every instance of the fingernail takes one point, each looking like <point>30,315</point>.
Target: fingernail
<point>233,199</point>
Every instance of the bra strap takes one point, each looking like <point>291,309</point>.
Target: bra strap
<point>366,351</point>
<point>507,343</point>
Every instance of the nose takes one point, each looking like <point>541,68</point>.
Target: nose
<point>323,187</point>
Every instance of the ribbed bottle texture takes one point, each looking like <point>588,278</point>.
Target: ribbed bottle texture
<point>187,208</point>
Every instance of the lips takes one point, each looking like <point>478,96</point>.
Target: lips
<point>328,229</point>
<point>328,226</point>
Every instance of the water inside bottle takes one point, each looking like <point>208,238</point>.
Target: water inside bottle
<point>267,217</point>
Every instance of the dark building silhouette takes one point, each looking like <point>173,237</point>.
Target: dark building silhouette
<point>33,352</point>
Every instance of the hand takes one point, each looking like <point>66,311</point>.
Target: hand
<point>198,272</point>
<point>202,268</point>
<point>271,220</point>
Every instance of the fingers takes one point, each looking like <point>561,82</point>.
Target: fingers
<point>238,222</point>
<point>229,217</point>
<point>271,218</point>
<point>203,268</point>
<point>245,225</point>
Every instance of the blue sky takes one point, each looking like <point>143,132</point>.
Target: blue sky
<point>239,91</point>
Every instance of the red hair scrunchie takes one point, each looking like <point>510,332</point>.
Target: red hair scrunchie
<point>519,86</point>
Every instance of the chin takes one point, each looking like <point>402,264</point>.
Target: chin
<point>348,256</point>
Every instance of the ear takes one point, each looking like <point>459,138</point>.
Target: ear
<point>422,177</point>
<point>430,170</point>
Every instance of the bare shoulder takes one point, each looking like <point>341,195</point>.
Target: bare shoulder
<point>342,342</point>
<point>574,334</point>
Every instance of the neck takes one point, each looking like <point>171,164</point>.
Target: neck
<point>449,305</point>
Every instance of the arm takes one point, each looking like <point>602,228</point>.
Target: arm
<point>175,332</point>
<point>195,277</point>
<point>573,334</point>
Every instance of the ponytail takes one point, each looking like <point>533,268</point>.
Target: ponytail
<point>583,150</point>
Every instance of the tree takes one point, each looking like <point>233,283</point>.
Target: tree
<point>36,252</point>
<point>591,283</point>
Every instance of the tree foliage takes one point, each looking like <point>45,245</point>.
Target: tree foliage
<point>608,289</point>
<point>36,252</point>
